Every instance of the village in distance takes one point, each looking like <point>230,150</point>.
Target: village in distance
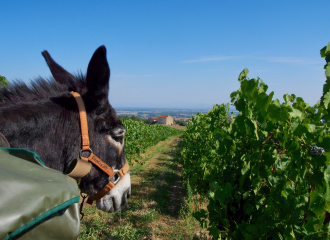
<point>150,115</point>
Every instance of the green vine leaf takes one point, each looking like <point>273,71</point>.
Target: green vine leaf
<point>296,114</point>
<point>243,74</point>
<point>317,204</point>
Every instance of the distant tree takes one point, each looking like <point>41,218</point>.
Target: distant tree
<point>133,117</point>
<point>124,117</point>
<point>3,82</point>
<point>181,123</point>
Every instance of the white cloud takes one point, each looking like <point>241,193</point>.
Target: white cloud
<point>136,76</point>
<point>258,70</point>
<point>290,60</point>
<point>293,60</point>
<point>212,58</point>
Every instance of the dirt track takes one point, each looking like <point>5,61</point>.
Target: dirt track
<point>157,207</point>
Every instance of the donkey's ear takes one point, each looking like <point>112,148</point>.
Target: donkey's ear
<point>98,74</point>
<point>60,74</point>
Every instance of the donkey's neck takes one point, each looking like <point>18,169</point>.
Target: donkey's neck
<point>44,127</point>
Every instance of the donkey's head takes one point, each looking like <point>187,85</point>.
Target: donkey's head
<point>106,132</point>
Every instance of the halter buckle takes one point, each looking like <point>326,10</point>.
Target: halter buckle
<point>113,178</point>
<point>81,151</point>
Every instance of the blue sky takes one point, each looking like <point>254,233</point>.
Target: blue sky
<point>175,54</point>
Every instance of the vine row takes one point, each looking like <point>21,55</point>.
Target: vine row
<point>265,173</point>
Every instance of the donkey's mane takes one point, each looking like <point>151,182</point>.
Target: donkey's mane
<point>37,89</point>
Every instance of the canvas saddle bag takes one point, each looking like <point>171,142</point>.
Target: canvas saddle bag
<point>36,202</point>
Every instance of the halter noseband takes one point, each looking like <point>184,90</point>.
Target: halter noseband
<point>82,165</point>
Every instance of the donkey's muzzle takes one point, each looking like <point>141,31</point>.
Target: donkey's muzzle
<point>120,205</point>
<point>117,198</point>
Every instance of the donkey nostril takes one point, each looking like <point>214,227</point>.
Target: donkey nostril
<point>128,193</point>
<point>114,204</point>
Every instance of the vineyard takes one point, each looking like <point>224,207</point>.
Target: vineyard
<point>265,173</point>
<point>140,136</point>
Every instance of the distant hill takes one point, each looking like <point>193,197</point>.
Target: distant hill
<point>155,112</point>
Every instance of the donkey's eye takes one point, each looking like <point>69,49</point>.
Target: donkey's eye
<point>118,134</point>
<point>118,138</point>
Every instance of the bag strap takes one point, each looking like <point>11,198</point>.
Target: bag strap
<point>4,141</point>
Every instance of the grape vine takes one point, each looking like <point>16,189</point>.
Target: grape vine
<point>140,136</point>
<point>265,172</point>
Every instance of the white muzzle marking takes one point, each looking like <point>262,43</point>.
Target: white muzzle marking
<point>117,196</point>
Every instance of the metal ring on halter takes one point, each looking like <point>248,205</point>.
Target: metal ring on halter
<point>113,179</point>
<point>81,151</point>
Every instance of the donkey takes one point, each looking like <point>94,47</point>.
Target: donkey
<point>44,118</point>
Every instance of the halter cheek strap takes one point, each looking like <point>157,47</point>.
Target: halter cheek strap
<point>83,162</point>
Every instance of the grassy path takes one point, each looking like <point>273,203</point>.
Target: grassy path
<point>158,207</point>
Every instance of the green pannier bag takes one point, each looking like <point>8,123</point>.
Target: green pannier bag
<point>36,202</point>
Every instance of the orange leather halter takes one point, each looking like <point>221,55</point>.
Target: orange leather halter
<point>94,159</point>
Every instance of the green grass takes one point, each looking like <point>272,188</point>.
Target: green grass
<point>152,211</point>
